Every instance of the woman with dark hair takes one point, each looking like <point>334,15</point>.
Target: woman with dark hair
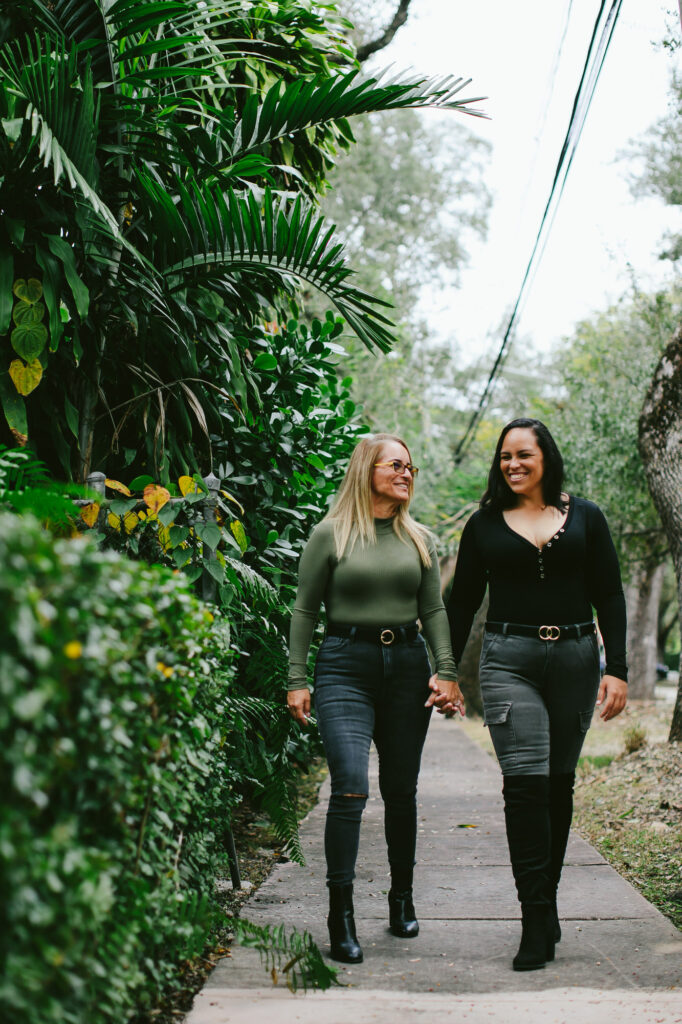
<point>548,560</point>
<point>376,571</point>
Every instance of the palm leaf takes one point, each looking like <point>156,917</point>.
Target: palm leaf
<point>59,112</point>
<point>207,233</point>
<point>294,107</point>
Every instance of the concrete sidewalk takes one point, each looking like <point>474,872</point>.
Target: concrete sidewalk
<point>618,957</point>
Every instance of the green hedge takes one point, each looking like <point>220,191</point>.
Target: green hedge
<point>115,765</point>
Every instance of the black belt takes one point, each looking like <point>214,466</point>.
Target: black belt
<point>385,635</point>
<point>575,630</point>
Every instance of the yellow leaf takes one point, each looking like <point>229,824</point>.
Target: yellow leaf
<point>239,534</point>
<point>73,649</point>
<point>164,537</point>
<point>26,376</point>
<point>89,513</point>
<point>230,497</point>
<point>166,670</point>
<point>155,496</point>
<point>130,521</point>
<point>187,485</point>
<point>116,486</point>
<point>114,522</point>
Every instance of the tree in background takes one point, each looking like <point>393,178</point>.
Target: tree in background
<point>601,376</point>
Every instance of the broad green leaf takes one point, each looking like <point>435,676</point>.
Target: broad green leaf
<point>315,460</point>
<point>60,248</point>
<point>216,570</point>
<point>72,420</point>
<point>28,291</point>
<point>209,533</point>
<point>140,482</point>
<point>26,313</point>
<point>28,340</point>
<point>265,361</point>
<point>26,376</point>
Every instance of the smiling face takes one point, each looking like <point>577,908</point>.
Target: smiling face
<point>390,489</point>
<point>522,463</point>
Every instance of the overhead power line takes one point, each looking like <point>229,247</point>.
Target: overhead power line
<point>602,34</point>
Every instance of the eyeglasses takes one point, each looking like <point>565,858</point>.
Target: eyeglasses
<point>399,466</point>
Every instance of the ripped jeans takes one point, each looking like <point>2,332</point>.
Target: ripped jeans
<point>538,700</point>
<point>364,692</point>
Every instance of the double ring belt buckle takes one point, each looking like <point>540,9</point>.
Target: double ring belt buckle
<point>549,632</point>
<point>387,636</point>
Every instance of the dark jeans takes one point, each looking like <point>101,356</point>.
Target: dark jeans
<point>366,691</point>
<point>538,700</point>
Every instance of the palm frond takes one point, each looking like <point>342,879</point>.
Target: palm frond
<point>59,112</point>
<point>295,955</point>
<point>294,107</point>
<point>255,585</point>
<point>207,231</point>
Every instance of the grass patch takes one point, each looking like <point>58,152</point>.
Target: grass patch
<point>594,761</point>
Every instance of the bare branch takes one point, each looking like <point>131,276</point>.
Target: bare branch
<point>399,19</point>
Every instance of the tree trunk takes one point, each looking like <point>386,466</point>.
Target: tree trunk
<point>660,445</point>
<point>643,597</point>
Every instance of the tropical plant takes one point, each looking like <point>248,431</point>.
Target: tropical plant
<point>150,156</point>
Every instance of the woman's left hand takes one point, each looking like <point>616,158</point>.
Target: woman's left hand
<point>613,694</point>
<point>446,696</point>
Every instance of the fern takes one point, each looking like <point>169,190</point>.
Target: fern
<point>256,586</point>
<point>296,956</point>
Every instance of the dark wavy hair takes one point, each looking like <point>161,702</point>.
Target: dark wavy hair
<point>499,494</point>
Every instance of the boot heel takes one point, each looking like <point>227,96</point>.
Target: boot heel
<point>402,918</point>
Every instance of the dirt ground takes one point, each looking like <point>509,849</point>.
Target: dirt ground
<point>628,801</point>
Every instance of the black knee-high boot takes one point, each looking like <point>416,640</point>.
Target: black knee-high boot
<point>526,810</point>
<point>401,913</point>
<point>560,816</point>
<point>341,924</point>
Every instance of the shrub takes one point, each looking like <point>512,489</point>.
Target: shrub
<point>117,728</point>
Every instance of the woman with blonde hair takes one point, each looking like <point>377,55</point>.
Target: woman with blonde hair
<point>376,571</point>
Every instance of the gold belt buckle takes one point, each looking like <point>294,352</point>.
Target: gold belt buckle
<point>387,636</point>
<point>549,632</point>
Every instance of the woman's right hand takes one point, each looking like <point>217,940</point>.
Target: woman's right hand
<point>298,702</point>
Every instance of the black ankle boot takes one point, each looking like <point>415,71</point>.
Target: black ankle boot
<point>402,918</point>
<point>537,939</point>
<point>341,923</point>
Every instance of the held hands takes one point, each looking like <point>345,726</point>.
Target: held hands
<point>615,691</point>
<point>446,696</point>
<point>298,702</point>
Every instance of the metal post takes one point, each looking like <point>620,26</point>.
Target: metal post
<point>96,482</point>
<point>209,587</point>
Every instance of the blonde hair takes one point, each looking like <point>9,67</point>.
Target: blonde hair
<point>353,514</point>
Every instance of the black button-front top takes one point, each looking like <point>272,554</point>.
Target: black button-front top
<point>559,584</point>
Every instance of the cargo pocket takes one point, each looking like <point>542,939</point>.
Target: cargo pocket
<point>497,714</point>
<point>498,717</point>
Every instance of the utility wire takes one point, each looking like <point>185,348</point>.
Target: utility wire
<point>581,105</point>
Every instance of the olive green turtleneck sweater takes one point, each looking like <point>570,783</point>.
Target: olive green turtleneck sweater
<point>382,584</point>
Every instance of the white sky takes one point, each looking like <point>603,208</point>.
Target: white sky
<point>600,232</point>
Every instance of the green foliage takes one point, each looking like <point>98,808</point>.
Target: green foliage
<point>158,168</point>
<point>118,733</point>
<point>295,955</point>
